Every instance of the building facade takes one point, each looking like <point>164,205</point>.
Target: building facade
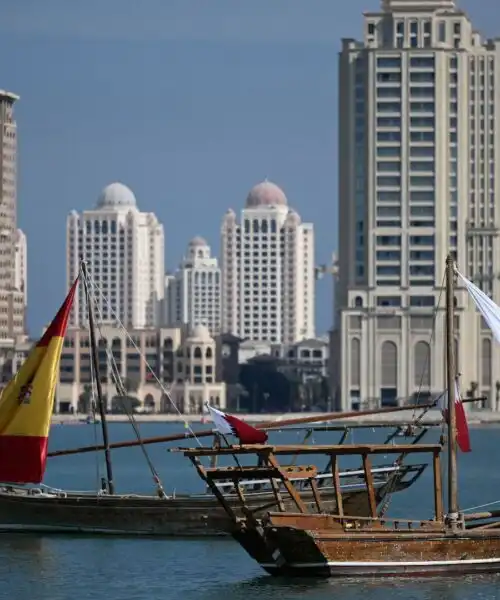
<point>185,364</point>
<point>192,293</point>
<point>12,300</point>
<point>419,133</point>
<point>124,250</point>
<point>267,270</point>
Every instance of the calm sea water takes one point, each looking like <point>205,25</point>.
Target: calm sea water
<point>76,568</point>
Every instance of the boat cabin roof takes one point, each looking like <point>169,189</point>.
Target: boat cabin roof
<point>328,449</point>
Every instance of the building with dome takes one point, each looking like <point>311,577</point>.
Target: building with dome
<point>124,250</point>
<point>267,270</point>
<point>192,293</point>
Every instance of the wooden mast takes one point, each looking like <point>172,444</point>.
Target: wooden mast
<point>95,363</point>
<point>451,382</point>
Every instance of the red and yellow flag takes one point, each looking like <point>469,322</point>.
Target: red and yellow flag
<point>27,402</point>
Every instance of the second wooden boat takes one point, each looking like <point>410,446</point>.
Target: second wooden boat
<point>316,541</point>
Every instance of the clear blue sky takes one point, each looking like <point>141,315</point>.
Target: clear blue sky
<point>188,102</point>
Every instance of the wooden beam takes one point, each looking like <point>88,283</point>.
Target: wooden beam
<point>294,494</point>
<point>245,472</point>
<point>372,502</point>
<point>438,487</point>
<point>351,449</point>
<point>336,482</point>
<point>317,496</point>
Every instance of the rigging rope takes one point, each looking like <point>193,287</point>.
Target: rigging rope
<point>148,366</point>
<point>122,392</point>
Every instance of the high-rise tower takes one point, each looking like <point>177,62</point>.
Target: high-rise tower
<point>267,270</point>
<point>419,139</point>
<point>124,249</point>
<point>12,298</point>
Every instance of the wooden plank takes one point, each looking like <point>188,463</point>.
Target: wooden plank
<point>235,473</point>
<point>293,472</point>
<point>372,502</point>
<point>336,482</point>
<point>294,494</point>
<point>276,490</point>
<point>351,449</point>
<point>438,488</point>
<point>316,494</point>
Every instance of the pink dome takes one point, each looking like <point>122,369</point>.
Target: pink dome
<point>266,194</point>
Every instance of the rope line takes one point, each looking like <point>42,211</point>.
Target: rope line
<point>148,366</point>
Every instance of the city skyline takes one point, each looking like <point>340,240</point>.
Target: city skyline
<point>246,94</point>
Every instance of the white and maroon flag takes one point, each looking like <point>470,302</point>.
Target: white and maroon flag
<point>463,439</point>
<point>230,425</point>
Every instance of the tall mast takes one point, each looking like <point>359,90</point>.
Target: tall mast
<point>451,381</point>
<point>95,364</point>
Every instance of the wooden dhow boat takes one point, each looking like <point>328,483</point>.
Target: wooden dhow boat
<point>26,406</point>
<point>315,541</point>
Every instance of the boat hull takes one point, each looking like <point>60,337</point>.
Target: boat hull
<point>298,552</point>
<point>181,516</point>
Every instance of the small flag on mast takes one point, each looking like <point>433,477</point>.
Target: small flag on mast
<point>230,425</point>
<point>463,438</point>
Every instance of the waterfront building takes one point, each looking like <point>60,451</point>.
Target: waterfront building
<point>192,293</point>
<point>125,254</point>
<point>419,138</point>
<point>185,362</point>
<point>12,296</point>
<point>267,270</point>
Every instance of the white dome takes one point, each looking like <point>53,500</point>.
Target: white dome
<point>200,333</point>
<point>116,195</point>
<point>198,241</point>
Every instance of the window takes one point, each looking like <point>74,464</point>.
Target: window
<point>422,166</point>
<point>394,301</point>
<point>422,151</point>
<point>389,136</point>
<point>389,77</point>
<point>388,62</point>
<point>388,122</point>
<point>421,181</point>
<point>442,31</point>
<point>422,76</point>
<point>422,301</point>
<point>389,211</point>
<point>388,107</point>
<point>387,196</point>
<point>422,107</point>
<point>422,196</point>
<point>387,166</point>
<point>389,151</point>
<point>388,181</point>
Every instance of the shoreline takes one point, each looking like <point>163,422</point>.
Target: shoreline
<point>478,417</point>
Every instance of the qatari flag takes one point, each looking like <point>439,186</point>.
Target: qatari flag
<point>229,425</point>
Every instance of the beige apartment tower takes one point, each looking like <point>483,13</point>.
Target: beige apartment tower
<point>419,141</point>
<point>11,294</point>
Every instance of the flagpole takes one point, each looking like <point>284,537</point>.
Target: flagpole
<point>451,372</point>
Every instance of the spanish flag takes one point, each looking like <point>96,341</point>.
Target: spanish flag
<point>27,402</point>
